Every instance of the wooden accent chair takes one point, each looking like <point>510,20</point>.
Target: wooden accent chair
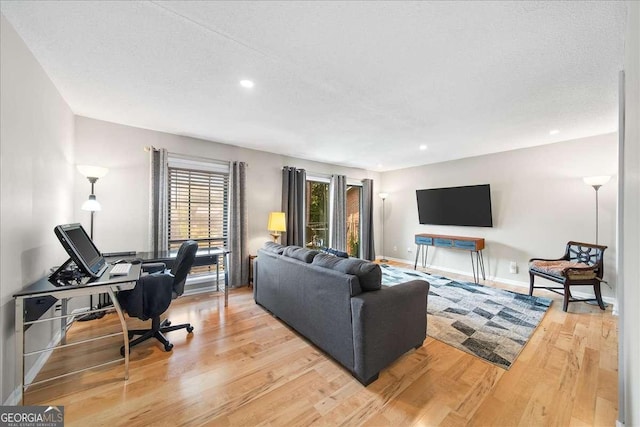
<point>581,265</point>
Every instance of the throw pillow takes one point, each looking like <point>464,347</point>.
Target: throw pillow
<point>335,252</point>
<point>274,247</point>
<point>369,274</point>
<point>302,254</point>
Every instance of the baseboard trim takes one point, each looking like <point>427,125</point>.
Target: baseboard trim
<point>519,283</point>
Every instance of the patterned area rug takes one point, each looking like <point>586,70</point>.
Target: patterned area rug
<point>493,324</point>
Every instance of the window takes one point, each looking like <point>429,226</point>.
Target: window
<point>354,197</point>
<point>198,206</point>
<point>317,214</point>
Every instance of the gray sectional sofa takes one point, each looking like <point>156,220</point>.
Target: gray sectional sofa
<point>340,306</point>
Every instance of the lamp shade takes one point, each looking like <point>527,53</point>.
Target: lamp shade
<point>277,222</point>
<point>92,204</point>
<point>383,195</point>
<point>596,180</point>
<point>92,171</point>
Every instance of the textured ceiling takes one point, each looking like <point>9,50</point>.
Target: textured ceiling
<point>359,84</point>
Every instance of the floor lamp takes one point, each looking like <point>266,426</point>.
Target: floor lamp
<point>92,173</point>
<point>596,182</point>
<point>383,196</point>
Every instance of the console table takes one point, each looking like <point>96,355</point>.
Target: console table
<point>474,245</point>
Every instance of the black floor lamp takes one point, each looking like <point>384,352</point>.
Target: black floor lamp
<point>92,173</point>
<point>383,196</point>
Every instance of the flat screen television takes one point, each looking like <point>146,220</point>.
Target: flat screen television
<point>81,249</point>
<point>468,206</point>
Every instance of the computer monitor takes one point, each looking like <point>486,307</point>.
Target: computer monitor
<point>81,249</point>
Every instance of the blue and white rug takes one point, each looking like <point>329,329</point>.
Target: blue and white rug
<point>490,323</point>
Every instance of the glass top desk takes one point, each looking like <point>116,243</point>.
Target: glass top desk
<point>44,288</point>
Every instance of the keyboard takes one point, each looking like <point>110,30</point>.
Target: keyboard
<point>120,270</point>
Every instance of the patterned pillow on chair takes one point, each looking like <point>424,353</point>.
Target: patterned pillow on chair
<point>561,268</point>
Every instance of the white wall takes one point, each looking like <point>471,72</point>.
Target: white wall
<point>629,368</point>
<point>123,223</point>
<point>36,156</point>
<point>539,202</point>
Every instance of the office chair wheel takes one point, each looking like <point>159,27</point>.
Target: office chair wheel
<point>167,322</point>
<point>189,329</point>
<point>130,335</point>
<point>168,347</point>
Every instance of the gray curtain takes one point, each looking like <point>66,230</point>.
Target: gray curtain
<point>368,247</point>
<point>238,226</point>
<point>158,212</point>
<point>294,184</point>
<point>338,192</point>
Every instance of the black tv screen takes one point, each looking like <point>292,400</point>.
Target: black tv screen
<point>468,206</point>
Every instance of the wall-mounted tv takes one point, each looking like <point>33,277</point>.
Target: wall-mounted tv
<point>469,206</point>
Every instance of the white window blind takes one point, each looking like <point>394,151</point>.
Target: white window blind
<point>198,207</point>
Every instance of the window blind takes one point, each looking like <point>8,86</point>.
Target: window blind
<point>198,208</point>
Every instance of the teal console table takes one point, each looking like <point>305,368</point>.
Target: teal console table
<point>474,245</point>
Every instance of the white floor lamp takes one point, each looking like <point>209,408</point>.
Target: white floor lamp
<point>596,182</point>
<point>383,196</point>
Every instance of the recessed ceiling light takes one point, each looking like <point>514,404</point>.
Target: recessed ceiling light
<point>554,131</point>
<point>246,83</point>
<point>423,147</point>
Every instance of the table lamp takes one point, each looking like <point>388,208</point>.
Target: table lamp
<point>276,224</point>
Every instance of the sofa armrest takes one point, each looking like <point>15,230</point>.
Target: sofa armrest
<point>386,324</point>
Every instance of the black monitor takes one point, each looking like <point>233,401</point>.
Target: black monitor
<point>81,249</point>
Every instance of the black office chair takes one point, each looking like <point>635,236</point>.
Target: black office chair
<point>153,294</point>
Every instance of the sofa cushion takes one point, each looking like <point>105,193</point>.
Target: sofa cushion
<point>302,254</point>
<point>335,252</point>
<point>273,247</point>
<point>369,274</point>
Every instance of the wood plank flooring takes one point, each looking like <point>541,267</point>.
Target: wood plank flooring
<point>242,367</point>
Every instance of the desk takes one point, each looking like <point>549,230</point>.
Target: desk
<point>44,287</point>
<point>204,256</point>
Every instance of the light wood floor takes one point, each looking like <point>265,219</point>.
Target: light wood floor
<point>243,367</point>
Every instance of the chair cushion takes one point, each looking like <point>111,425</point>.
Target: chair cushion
<point>564,268</point>
<point>369,274</point>
<point>299,253</point>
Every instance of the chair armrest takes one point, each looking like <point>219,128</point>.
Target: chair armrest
<point>386,324</point>
<point>153,267</point>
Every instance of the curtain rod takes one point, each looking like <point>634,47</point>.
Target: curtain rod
<point>149,148</point>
